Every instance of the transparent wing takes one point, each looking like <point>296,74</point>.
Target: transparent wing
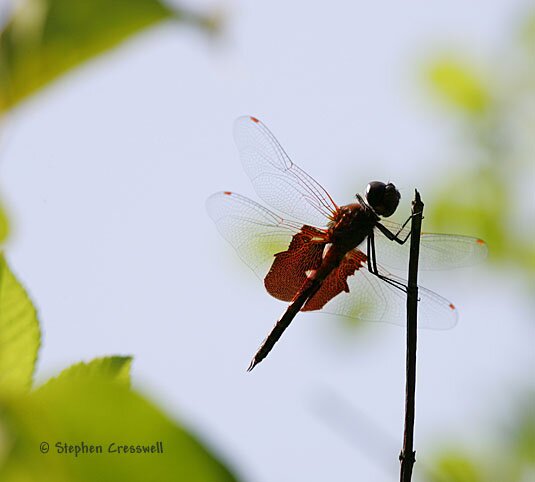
<point>372,299</point>
<point>276,179</point>
<point>255,232</point>
<point>437,251</point>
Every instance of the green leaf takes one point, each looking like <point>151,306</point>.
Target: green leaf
<point>459,85</point>
<point>98,413</point>
<point>19,332</point>
<point>46,38</point>
<point>115,368</point>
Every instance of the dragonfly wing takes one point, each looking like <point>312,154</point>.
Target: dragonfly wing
<point>372,299</point>
<point>258,235</point>
<point>255,232</point>
<point>437,251</point>
<point>276,179</point>
<point>285,250</point>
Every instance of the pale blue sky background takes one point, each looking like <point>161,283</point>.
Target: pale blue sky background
<point>106,175</point>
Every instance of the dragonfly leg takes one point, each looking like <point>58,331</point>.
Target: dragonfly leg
<point>395,236</point>
<point>405,223</point>
<point>395,283</point>
<point>372,266</point>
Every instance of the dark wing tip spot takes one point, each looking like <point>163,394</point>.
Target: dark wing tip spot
<point>228,193</point>
<point>254,119</point>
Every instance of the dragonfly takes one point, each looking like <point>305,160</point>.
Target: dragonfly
<point>316,255</point>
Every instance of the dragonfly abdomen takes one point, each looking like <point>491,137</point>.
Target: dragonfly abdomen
<point>332,276</point>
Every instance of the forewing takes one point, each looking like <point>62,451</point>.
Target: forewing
<point>276,179</point>
<point>437,251</point>
<point>372,299</point>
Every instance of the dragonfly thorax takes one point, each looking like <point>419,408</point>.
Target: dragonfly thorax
<point>351,225</point>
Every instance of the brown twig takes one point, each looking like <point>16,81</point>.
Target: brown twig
<point>407,456</point>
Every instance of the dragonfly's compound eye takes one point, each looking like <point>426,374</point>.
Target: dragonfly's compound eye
<point>383,198</point>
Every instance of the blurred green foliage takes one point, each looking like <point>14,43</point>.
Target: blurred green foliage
<point>460,85</point>
<point>98,412</point>
<point>510,456</point>
<point>487,195</point>
<point>454,466</point>
<point>88,402</point>
<point>491,196</point>
<point>45,38</point>
<point>4,224</point>
<point>521,433</point>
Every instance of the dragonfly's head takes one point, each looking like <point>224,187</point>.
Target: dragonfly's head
<point>383,198</point>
